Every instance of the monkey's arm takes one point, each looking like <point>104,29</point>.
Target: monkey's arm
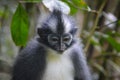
<point>30,63</point>
<point>80,65</point>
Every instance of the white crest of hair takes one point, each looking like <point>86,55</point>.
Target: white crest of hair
<point>56,4</point>
<point>67,23</point>
<point>59,66</point>
<point>52,24</point>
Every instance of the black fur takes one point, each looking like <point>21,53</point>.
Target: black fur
<point>73,31</point>
<point>60,23</point>
<point>30,64</point>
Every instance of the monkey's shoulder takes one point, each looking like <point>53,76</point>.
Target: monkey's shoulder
<point>31,55</point>
<point>77,47</point>
<point>33,49</point>
<point>30,62</point>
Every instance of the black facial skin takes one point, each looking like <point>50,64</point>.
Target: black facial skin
<point>56,41</point>
<point>59,42</point>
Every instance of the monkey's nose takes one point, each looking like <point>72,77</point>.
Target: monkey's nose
<point>61,48</point>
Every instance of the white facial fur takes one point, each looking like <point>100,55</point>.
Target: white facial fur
<point>59,66</point>
<point>67,24</point>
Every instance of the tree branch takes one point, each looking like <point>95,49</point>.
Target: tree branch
<point>95,25</point>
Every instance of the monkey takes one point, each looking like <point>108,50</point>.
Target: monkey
<point>56,54</point>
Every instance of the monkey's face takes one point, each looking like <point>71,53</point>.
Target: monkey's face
<point>60,42</point>
<point>57,31</point>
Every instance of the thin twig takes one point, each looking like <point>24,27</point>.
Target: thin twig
<point>110,23</point>
<point>29,1</point>
<point>105,26</point>
<point>95,25</point>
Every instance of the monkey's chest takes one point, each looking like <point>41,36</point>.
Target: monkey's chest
<point>59,67</point>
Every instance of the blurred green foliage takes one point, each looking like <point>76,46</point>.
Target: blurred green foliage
<point>103,52</point>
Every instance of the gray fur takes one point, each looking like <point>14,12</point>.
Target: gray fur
<point>81,68</point>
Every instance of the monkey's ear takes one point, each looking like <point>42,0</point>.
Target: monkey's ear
<point>74,31</point>
<point>40,31</point>
<point>43,31</point>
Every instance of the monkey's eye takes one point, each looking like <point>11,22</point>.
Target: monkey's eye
<point>54,39</point>
<point>65,39</point>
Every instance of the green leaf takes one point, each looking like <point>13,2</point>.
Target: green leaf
<point>112,42</point>
<point>20,26</point>
<point>32,0</point>
<point>80,3</point>
<point>73,9</point>
<point>77,4</point>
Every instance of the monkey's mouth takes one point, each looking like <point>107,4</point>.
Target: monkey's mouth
<point>61,50</point>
